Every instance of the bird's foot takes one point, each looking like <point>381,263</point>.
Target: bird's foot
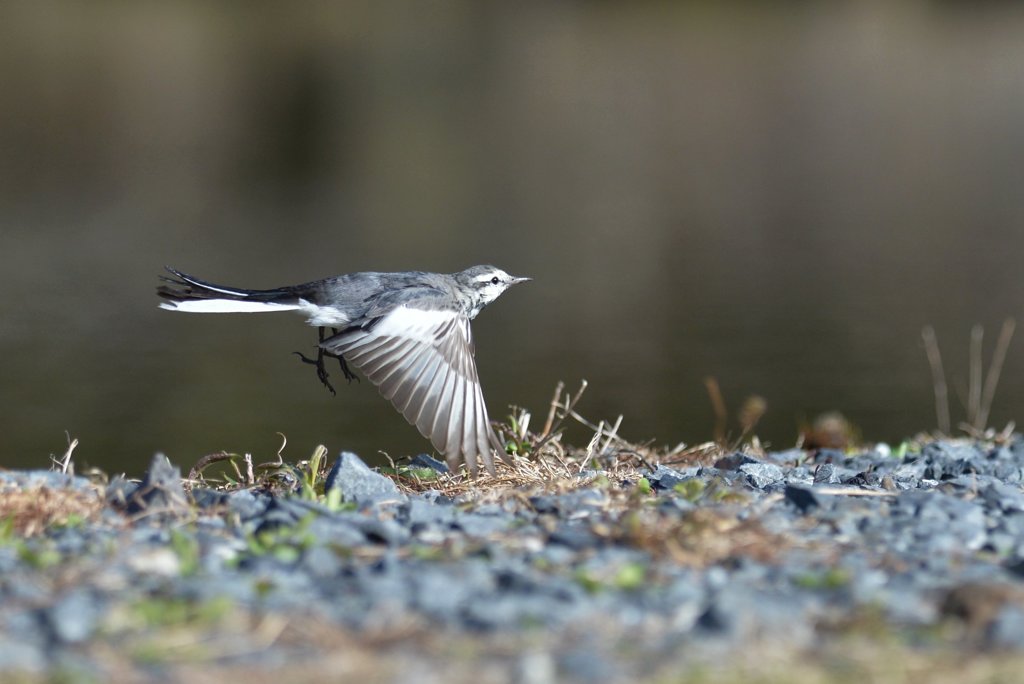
<point>321,372</point>
<point>349,375</point>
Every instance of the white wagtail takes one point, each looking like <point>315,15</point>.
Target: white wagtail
<point>407,332</point>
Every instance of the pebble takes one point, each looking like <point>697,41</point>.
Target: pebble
<point>765,547</point>
<point>359,483</point>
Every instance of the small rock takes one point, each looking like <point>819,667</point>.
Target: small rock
<point>336,531</point>
<point>428,461</point>
<point>761,475</point>
<point>246,504</point>
<point>1007,498</point>
<point>1007,629</point>
<point>358,482</point>
<point>664,477</point>
<point>22,656</point>
<point>803,499</point>
<point>419,510</point>
<point>574,535</point>
<point>545,503</point>
<point>865,478</point>
<point>477,525</point>
<point>159,561</point>
<point>734,461</point>
<point>826,474</point>
<point>72,619</point>
<point>160,490</point>
<point>322,562</point>
<point>381,531</point>
<point>208,498</point>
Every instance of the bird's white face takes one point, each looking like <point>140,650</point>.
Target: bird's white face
<point>488,286</point>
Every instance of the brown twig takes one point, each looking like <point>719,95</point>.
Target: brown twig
<point>207,460</point>
<point>718,406</point>
<point>567,409</point>
<point>65,463</point>
<point>551,411</point>
<point>995,369</point>
<point>974,377</point>
<point>941,391</point>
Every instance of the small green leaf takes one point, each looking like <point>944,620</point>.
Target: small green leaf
<point>630,576</point>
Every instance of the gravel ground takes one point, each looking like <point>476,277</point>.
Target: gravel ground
<point>687,569</point>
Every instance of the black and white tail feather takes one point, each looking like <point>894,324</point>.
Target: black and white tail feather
<point>409,333</point>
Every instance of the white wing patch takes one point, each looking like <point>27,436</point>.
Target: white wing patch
<point>418,324</point>
<point>422,361</point>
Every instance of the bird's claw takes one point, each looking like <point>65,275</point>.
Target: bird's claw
<point>321,372</point>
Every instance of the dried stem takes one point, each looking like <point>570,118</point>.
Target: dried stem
<point>65,464</point>
<point>718,406</point>
<point>995,369</point>
<point>551,411</point>
<point>974,377</point>
<point>931,348</point>
<point>205,461</point>
<point>567,409</point>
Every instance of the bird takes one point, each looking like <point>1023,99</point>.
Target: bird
<point>407,332</point>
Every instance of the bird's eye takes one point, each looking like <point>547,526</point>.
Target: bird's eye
<point>494,280</point>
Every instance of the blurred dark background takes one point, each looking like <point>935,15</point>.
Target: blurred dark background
<point>779,195</point>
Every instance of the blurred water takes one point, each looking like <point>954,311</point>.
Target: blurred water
<point>780,198</point>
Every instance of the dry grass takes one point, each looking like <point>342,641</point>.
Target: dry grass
<point>700,538</point>
<point>540,462</point>
<point>30,511</point>
<point>537,462</point>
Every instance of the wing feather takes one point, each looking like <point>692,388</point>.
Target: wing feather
<point>422,361</point>
<point>470,427</point>
<point>439,434</point>
<point>415,384</point>
<point>423,397</point>
<point>404,375</point>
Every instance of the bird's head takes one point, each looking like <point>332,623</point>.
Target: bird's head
<point>484,284</point>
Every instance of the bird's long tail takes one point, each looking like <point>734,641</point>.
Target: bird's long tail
<point>187,293</point>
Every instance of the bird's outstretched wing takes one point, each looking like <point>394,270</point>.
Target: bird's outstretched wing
<point>422,361</point>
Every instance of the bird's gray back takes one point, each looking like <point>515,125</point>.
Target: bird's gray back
<point>368,295</point>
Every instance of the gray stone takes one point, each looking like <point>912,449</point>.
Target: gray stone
<point>72,619</point>
<point>477,525</point>
<point>337,531</point>
<point>322,562</point>
<point>664,477</point>
<point>826,474</point>
<point>428,461</point>
<point>734,460</point>
<point>803,499</point>
<point>575,535</point>
<point>160,491</point>
<point>1008,498</point>
<point>421,511</point>
<point>18,655</point>
<point>379,531</point>
<point>761,475</point>
<point>358,482</point>
<point>1007,630</point>
<point>246,504</point>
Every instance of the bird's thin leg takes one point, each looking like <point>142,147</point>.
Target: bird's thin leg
<point>349,375</point>
<point>321,372</point>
